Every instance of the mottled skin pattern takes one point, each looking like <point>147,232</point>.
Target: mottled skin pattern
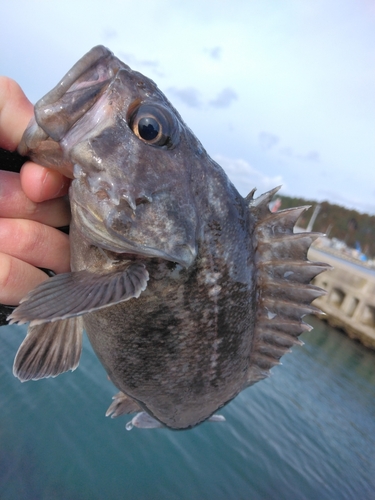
<point>182,349</point>
<point>228,282</point>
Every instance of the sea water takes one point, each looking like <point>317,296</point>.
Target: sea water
<point>307,432</point>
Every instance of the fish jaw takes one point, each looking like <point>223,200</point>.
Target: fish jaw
<point>93,230</point>
<point>136,210</point>
<point>59,110</point>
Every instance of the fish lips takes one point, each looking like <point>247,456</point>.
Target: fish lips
<point>102,234</point>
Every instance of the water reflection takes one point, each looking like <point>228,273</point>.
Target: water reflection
<point>306,432</point>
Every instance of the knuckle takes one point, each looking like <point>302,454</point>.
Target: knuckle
<point>31,209</point>
<point>9,281</point>
<point>31,237</point>
<point>21,237</point>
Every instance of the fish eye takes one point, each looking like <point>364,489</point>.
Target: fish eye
<point>148,128</point>
<point>155,125</point>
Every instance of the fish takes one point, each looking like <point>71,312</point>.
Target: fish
<point>189,293</point>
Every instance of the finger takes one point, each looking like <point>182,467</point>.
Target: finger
<point>35,243</point>
<point>41,183</point>
<point>15,113</point>
<point>17,278</point>
<point>15,204</point>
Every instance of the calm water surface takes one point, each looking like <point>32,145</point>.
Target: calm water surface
<point>307,432</point>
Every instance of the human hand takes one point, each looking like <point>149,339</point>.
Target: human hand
<point>32,206</point>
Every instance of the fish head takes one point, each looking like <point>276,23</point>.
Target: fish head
<point>132,176</point>
<point>130,156</point>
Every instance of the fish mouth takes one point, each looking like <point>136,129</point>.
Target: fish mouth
<point>61,108</point>
<point>99,60</point>
<point>90,225</point>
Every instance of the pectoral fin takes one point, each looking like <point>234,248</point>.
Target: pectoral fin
<point>73,294</point>
<point>49,349</point>
<point>144,421</point>
<point>121,405</point>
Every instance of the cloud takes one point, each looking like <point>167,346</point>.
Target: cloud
<point>287,152</point>
<point>268,140</point>
<point>310,156</point>
<point>245,177</point>
<point>134,61</point>
<point>109,34</point>
<point>189,95</point>
<point>215,53</point>
<point>224,98</point>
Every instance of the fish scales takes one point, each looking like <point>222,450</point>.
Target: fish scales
<point>187,291</point>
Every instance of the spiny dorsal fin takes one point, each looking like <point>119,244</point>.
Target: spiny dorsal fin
<point>259,206</point>
<point>283,221</point>
<point>283,282</point>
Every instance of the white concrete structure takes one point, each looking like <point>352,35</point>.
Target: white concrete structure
<point>350,300</point>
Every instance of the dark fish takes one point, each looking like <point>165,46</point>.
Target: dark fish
<point>188,292</point>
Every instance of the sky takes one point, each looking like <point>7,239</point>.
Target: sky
<point>279,93</point>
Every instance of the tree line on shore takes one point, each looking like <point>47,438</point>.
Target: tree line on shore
<point>355,229</point>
